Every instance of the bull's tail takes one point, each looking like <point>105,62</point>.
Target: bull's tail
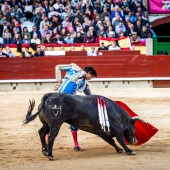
<point>29,116</point>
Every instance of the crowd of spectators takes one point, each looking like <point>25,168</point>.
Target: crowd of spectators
<point>72,21</point>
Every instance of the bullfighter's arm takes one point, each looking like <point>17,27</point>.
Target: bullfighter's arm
<point>87,90</point>
<point>64,67</point>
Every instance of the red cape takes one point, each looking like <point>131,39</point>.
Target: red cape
<point>143,133</point>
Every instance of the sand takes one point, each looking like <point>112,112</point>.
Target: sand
<point>20,146</point>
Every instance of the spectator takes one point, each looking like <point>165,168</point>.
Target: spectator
<point>62,48</point>
<point>78,38</point>
<point>51,48</point>
<point>89,38</point>
<point>63,33</point>
<point>138,27</point>
<point>45,31</point>
<point>101,32</point>
<point>47,39</point>
<point>7,31</point>
<point>28,11</point>
<point>72,48</point>
<point>104,14</point>
<point>82,48</point>
<point>35,31</point>
<point>121,26</point>
<point>57,39</point>
<point>144,33</point>
<point>26,53</point>
<point>102,47</point>
<point>72,33</point>
<point>8,52</point>
<point>69,26</point>
<point>111,34</point>
<point>25,32</point>
<point>134,38</point>
<point>89,24</point>
<point>43,23</point>
<point>92,52</point>
<point>35,39</point>
<point>1,41</point>
<point>25,40</point>
<point>116,10</point>
<point>113,46</point>
<point>93,32</point>
<point>8,39</point>
<point>130,30</point>
<point>2,54</point>
<point>17,39</point>
<point>68,39</point>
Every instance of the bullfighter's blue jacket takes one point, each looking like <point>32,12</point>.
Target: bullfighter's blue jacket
<point>74,79</point>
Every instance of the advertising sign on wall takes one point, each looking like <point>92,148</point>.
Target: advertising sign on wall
<point>159,6</point>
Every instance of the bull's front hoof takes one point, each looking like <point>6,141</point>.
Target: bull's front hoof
<point>131,153</point>
<point>51,158</point>
<point>120,150</point>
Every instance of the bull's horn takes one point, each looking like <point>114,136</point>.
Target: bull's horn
<point>135,118</point>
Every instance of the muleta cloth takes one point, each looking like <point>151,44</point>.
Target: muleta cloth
<point>143,133</point>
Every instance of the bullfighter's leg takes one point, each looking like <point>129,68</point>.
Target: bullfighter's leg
<point>128,151</point>
<point>74,134</point>
<point>52,135</point>
<point>42,133</point>
<point>111,142</point>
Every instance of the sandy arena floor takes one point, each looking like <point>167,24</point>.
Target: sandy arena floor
<point>20,147</point>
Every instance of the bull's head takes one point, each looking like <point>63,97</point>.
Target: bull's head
<point>129,131</point>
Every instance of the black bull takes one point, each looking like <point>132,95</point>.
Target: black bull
<point>82,113</point>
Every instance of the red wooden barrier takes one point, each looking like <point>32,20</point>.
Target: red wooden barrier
<point>106,66</point>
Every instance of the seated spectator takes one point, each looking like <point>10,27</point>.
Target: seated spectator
<point>92,52</point>
<point>35,31</point>
<point>134,38</point>
<point>72,33</point>
<point>35,39</point>
<point>2,54</point>
<point>25,40</point>
<point>58,39</point>
<point>68,39</point>
<point>62,48</point>
<point>63,33</point>
<point>89,38</point>
<point>121,26</point>
<point>43,23</point>
<point>113,46</point>
<point>130,30</point>
<point>7,31</point>
<point>102,47</point>
<point>72,48</point>
<point>17,39</point>
<point>93,32</point>
<point>47,39</point>
<point>144,34</point>
<point>69,26</point>
<point>101,31</point>
<point>45,31</point>
<point>8,52</point>
<point>111,34</point>
<point>8,39</point>
<point>78,38</point>
<point>119,33</point>
<point>138,27</point>
<point>82,48</point>
<point>26,53</point>
<point>25,32</point>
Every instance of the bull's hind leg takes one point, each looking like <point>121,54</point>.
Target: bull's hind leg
<point>52,135</point>
<point>111,142</point>
<point>42,133</point>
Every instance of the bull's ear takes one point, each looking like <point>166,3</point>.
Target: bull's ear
<point>135,118</point>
